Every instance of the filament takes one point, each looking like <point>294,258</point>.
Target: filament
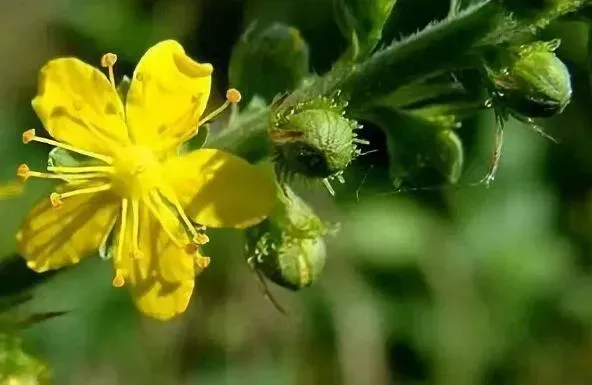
<point>57,198</point>
<point>119,280</point>
<point>29,136</point>
<point>163,223</point>
<point>233,96</point>
<point>77,170</point>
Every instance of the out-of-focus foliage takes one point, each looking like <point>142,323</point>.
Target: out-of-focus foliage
<point>450,285</point>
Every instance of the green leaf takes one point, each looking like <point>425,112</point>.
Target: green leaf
<point>419,151</point>
<point>362,21</point>
<point>58,157</point>
<point>199,140</point>
<point>450,156</point>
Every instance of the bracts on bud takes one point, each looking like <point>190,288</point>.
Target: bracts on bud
<point>530,80</point>
<point>314,139</point>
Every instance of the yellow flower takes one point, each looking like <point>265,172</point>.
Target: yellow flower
<point>134,187</point>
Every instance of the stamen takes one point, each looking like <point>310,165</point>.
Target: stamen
<point>198,239</point>
<point>108,60</point>
<point>76,170</point>
<point>57,199</point>
<point>25,173</point>
<point>163,224</point>
<point>89,190</point>
<point>119,280</point>
<point>29,136</point>
<point>136,253</point>
<point>201,262</point>
<point>232,96</point>
<point>201,239</point>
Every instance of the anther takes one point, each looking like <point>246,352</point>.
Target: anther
<point>233,95</point>
<point>118,280</point>
<point>191,248</point>
<point>56,200</point>
<point>202,262</point>
<point>108,60</point>
<point>23,172</point>
<point>201,239</point>
<point>28,136</point>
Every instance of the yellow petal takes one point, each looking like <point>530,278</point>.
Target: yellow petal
<point>219,189</point>
<point>11,189</point>
<point>78,106</point>
<point>51,238</point>
<point>162,276</point>
<point>168,94</point>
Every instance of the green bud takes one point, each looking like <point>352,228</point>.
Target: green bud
<point>314,139</point>
<point>531,81</point>
<point>363,20</point>
<point>268,61</point>
<point>288,247</point>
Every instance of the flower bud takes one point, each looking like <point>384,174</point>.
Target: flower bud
<point>530,80</point>
<point>288,247</point>
<point>269,60</point>
<point>314,139</point>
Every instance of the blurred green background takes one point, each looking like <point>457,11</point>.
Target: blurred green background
<point>454,286</point>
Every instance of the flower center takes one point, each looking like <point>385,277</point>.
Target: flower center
<point>136,172</point>
<point>136,176</point>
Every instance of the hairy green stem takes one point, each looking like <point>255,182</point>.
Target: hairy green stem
<point>449,44</point>
<point>433,49</point>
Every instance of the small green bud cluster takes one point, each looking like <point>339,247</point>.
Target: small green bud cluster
<point>18,367</point>
<point>288,247</point>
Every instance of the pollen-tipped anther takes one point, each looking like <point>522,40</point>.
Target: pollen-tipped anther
<point>56,200</point>
<point>108,60</point>
<point>201,239</point>
<point>191,248</point>
<point>233,95</point>
<point>23,172</point>
<point>202,262</point>
<point>28,136</point>
<point>118,280</point>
